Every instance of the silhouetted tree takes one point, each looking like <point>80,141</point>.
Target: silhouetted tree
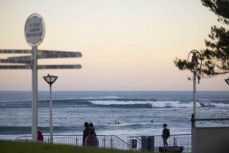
<point>215,57</point>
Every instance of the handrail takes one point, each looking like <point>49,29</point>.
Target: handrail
<point>174,140</point>
<point>210,119</point>
<point>128,145</point>
<point>57,139</point>
<point>113,141</point>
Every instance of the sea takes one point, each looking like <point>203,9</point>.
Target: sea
<point>129,113</point>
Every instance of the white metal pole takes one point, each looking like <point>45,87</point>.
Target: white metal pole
<point>35,97</point>
<point>194,115</point>
<point>194,95</point>
<point>51,126</point>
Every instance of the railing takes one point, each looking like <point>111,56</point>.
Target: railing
<point>105,141</point>
<point>183,140</point>
<point>112,141</point>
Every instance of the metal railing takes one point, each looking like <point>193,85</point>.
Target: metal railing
<point>183,140</point>
<point>112,141</point>
<point>105,141</point>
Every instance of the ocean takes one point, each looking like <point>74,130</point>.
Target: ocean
<point>137,112</point>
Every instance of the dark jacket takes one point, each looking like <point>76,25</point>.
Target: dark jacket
<point>40,136</point>
<point>85,134</point>
<point>165,133</point>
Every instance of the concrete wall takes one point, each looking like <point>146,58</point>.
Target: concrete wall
<point>211,140</point>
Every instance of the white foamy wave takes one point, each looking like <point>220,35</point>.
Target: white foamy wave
<point>101,97</point>
<point>158,104</point>
<point>154,104</point>
<point>109,97</point>
<point>220,105</point>
<point>114,102</point>
<point>174,104</point>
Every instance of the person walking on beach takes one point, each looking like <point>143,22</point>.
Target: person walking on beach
<point>91,139</point>
<point>165,135</point>
<point>85,131</point>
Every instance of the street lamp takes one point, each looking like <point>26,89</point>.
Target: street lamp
<point>195,66</point>
<point>50,79</point>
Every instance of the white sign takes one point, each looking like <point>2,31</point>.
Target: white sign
<point>24,58</point>
<point>7,51</point>
<point>15,61</point>
<point>9,67</point>
<point>59,66</point>
<point>57,54</point>
<point>34,30</point>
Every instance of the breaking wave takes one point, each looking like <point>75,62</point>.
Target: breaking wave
<point>117,103</point>
<point>154,104</point>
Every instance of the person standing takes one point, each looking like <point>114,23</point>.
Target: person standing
<point>85,132</point>
<point>91,139</point>
<point>91,125</point>
<point>40,135</point>
<point>165,135</point>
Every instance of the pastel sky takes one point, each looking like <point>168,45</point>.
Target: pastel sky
<point>126,44</point>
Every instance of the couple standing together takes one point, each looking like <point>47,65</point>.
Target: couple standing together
<point>89,135</point>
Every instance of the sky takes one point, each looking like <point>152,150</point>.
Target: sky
<point>127,45</point>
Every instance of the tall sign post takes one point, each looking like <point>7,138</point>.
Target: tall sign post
<point>34,34</point>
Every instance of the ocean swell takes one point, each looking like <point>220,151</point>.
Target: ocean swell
<point>152,104</point>
<point>117,103</point>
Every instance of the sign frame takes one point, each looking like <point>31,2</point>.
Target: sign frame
<point>34,29</point>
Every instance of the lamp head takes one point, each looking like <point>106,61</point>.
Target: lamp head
<point>50,79</point>
<point>195,65</point>
<point>194,60</point>
<point>227,80</point>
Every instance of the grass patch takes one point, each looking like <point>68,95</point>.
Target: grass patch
<point>32,147</point>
